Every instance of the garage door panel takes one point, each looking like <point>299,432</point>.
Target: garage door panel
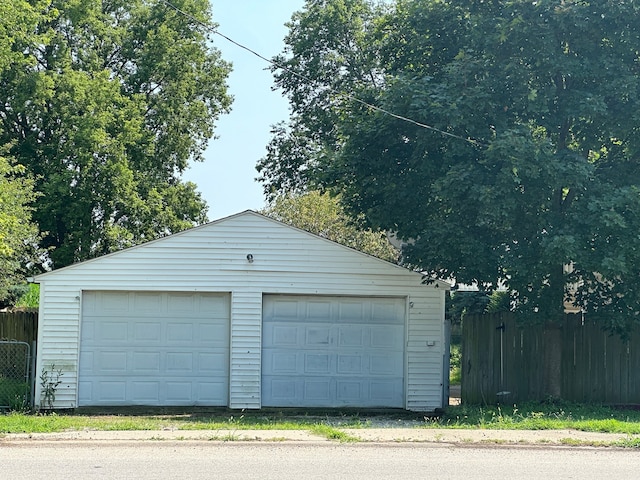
<point>147,363</point>
<point>179,333</point>
<point>317,390</point>
<point>149,303</point>
<point>178,392</point>
<point>318,310</point>
<point>350,391</point>
<point>282,363</point>
<point>384,312</point>
<point>111,363</point>
<point>352,312</point>
<point>380,365</point>
<point>179,363</point>
<point>349,364</point>
<point>282,335</point>
<point>346,358</point>
<point>351,336</point>
<point>285,310</point>
<point>315,336</point>
<point>85,392</point>
<point>147,332</point>
<point>130,357</point>
<point>386,389</point>
<point>212,364</point>
<point>114,331</point>
<point>112,391</point>
<point>387,337</point>
<point>281,390</point>
<point>111,302</point>
<point>315,363</point>
<point>145,391</point>
<point>184,303</point>
<point>85,363</point>
<point>215,335</point>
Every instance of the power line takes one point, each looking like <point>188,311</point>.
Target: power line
<point>307,79</point>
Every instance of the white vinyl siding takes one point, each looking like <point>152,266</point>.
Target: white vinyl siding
<point>213,259</point>
<point>245,351</point>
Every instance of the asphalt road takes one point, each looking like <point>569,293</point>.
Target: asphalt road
<point>195,460</point>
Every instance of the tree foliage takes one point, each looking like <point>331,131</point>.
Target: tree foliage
<point>523,165</point>
<point>105,109</point>
<point>327,52</point>
<point>322,214</point>
<point>18,234</point>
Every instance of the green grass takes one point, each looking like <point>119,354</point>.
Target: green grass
<point>16,422</point>
<point>529,416</point>
<point>541,416</point>
<point>332,433</point>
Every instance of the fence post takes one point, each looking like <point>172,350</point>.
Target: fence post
<point>33,374</point>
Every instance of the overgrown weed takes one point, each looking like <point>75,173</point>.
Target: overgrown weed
<point>541,416</point>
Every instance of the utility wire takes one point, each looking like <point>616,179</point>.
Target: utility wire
<point>307,79</point>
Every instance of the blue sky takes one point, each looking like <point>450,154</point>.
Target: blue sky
<point>226,177</point>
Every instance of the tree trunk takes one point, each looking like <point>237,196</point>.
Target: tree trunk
<point>552,362</point>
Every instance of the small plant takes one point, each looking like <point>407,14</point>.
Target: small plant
<point>332,433</point>
<point>14,394</point>
<point>19,403</point>
<point>455,372</point>
<point>50,380</point>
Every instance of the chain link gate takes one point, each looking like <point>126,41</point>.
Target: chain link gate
<point>15,359</point>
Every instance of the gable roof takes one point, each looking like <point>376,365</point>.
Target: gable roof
<point>221,223</point>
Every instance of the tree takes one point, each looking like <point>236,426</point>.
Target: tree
<point>18,235</point>
<point>322,214</point>
<point>105,111</point>
<point>329,51</point>
<point>522,164</point>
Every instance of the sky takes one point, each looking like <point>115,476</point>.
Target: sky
<point>226,179</point>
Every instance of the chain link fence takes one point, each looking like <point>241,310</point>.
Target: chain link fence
<point>15,360</point>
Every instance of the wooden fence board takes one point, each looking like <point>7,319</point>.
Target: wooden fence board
<point>19,325</point>
<point>596,366</point>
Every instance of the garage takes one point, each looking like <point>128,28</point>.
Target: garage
<point>154,348</point>
<point>321,351</point>
<point>244,312</point>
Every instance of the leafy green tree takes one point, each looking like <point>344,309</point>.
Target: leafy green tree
<point>105,112</point>
<point>521,163</point>
<point>322,214</point>
<point>329,51</point>
<point>18,234</point>
<point>462,303</point>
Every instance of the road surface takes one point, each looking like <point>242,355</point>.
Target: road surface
<point>195,460</point>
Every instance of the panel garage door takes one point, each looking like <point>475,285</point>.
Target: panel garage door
<point>154,348</point>
<point>333,351</point>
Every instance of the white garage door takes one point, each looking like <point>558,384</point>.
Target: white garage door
<point>333,351</point>
<point>150,348</point>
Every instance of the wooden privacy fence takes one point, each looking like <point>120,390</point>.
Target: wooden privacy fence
<point>19,325</point>
<point>502,361</point>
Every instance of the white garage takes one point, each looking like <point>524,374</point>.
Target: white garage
<point>243,312</point>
